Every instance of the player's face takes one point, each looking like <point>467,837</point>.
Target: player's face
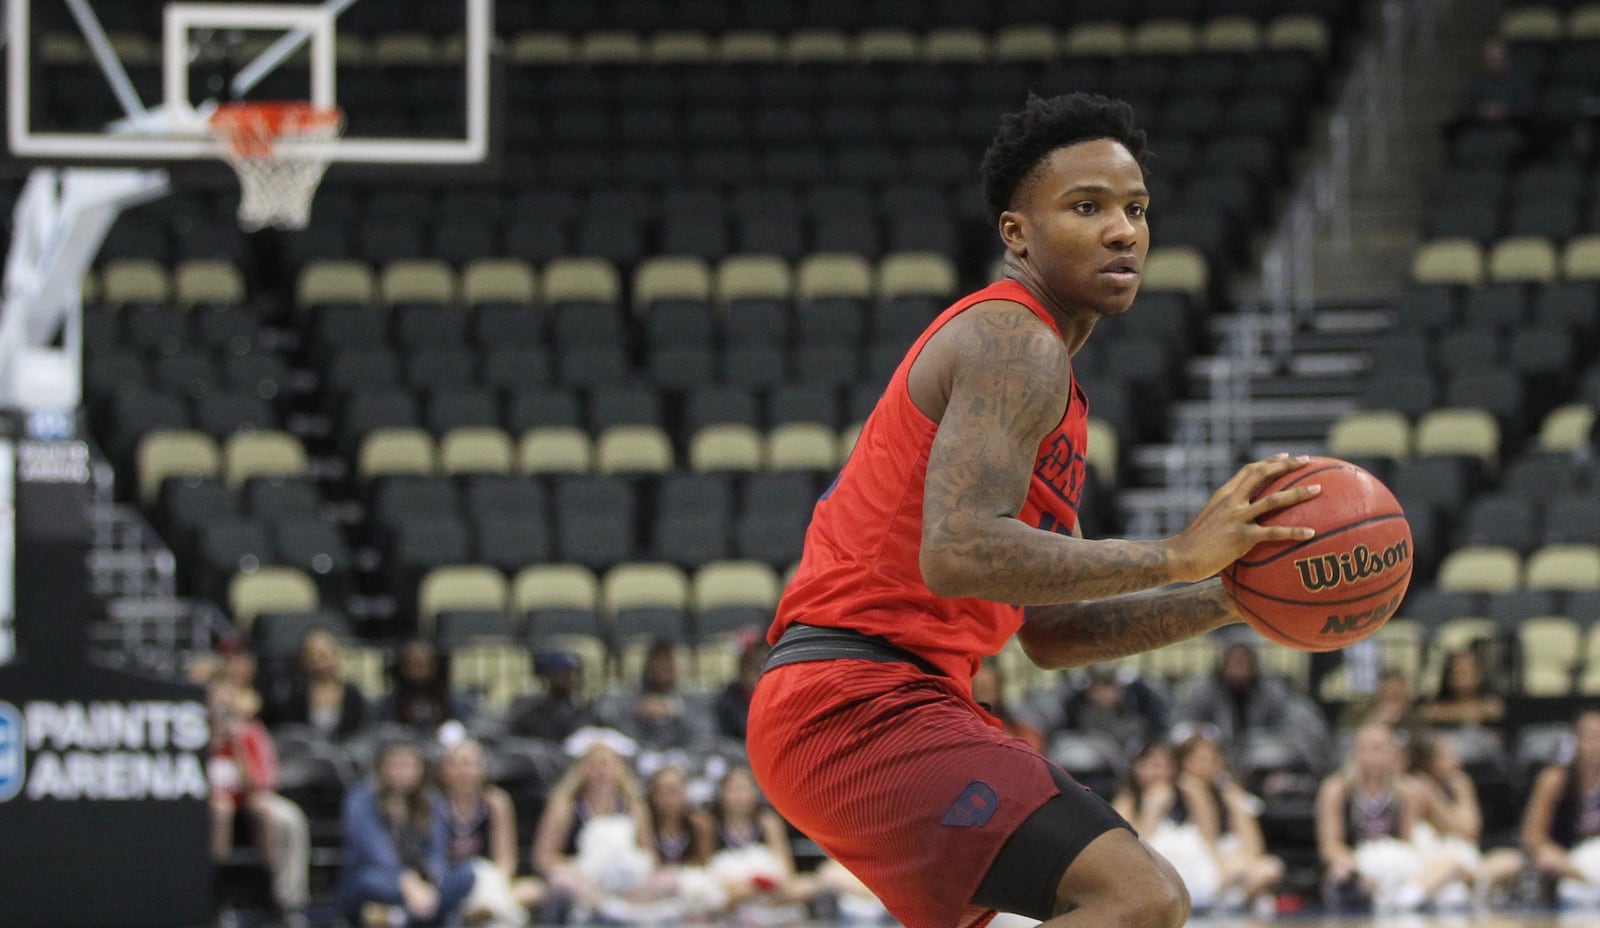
<point>1083,226</point>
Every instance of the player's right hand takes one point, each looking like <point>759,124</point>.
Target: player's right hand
<point>1226,528</point>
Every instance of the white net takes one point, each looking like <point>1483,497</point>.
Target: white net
<point>275,149</point>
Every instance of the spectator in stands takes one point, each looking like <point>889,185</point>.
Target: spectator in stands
<point>243,770</point>
<point>1561,825</point>
<point>396,868</point>
<point>483,833</point>
<point>1172,817</point>
<point>750,840</point>
<point>1247,872</point>
<point>1366,813</point>
<point>597,799</point>
<point>1450,821</point>
<point>1391,704</point>
<point>733,703</point>
<point>561,709</point>
<point>1499,94</point>
<point>319,696</point>
<point>1116,702</point>
<point>1465,699</point>
<point>1242,701</point>
<point>233,662</point>
<point>419,690</point>
<point>683,832</point>
<point>988,690</point>
<point>239,667</point>
<point>657,715</point>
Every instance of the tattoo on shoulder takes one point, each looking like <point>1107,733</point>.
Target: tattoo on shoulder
<point>1010,382</point>
<point>1013,376</point>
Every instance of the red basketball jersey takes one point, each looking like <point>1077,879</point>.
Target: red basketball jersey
<point>860,567</point>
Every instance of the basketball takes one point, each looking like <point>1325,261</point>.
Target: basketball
<point>1341,585</point>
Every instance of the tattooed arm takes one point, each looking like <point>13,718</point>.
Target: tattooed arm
<point>1003,379</point>
<point>1076,634</point>
<point>996,380</point>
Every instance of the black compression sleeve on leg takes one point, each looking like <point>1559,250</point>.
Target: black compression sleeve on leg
<point>1028,870</point>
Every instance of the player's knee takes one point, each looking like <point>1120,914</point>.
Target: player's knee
<point>1169,896</point>
<point>1159,900</point>
<point>1168,904</point>
<point>1162,904</point>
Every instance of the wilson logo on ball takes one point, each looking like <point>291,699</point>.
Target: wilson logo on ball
<point>1327,571</point>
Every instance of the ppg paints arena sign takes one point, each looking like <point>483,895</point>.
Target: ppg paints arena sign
<point>102,750</point>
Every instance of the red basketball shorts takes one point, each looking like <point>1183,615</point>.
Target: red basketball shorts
<point>899,776</point>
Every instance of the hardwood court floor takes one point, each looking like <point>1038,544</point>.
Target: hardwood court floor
<point>1488,920</point>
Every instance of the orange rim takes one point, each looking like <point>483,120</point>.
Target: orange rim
<point>252,129</point>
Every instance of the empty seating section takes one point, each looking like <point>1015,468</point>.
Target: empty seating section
<point>592,396</point>
<point>416,372</point>
<point>1481,405</point>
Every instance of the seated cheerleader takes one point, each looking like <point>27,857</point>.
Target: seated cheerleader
<point>682,834</point>
<point>483,834</point>
<point>1174,820</point>
<point>1450,822</point>
<point>1561,825</point>
<point>1247,872</point>
<point>1366,813</point>
<point>593,844</point>
<point>752,861</point>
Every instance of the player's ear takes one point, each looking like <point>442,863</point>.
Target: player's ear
<point>1013,228</point>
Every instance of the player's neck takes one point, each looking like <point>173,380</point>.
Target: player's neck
<point>1074,322</point>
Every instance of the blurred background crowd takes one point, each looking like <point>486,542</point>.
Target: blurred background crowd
<point>632,803</point>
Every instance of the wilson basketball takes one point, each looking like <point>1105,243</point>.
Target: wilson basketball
<point>1341,585</point>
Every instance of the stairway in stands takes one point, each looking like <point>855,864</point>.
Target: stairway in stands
<point>1291,403</point>
<point>145,624</point>
<point>1287,382</point>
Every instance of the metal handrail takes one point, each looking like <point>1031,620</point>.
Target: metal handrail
<point>1369,107</point>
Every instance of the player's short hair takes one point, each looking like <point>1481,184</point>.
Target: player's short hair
<point>1043,125</point>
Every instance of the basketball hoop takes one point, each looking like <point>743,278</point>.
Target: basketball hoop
<point>276,181</point>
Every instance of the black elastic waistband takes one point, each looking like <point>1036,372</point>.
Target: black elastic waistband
<point>801,643</point>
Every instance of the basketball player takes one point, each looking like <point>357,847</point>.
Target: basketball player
<point>952,526</point>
